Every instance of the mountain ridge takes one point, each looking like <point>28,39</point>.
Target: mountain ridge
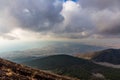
<point>109,55</point>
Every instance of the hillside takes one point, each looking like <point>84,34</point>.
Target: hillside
<point>13,71</point>
<point>75,67</point>
<point>109,55</point>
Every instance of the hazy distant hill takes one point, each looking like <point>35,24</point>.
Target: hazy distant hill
<point>75,67</point>
<point>109,55</point>
<point>13,71</point>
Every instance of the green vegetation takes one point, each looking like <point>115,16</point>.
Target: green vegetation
<point>74,67</point>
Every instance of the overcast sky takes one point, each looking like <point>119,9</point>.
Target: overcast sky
<point>59,19</point>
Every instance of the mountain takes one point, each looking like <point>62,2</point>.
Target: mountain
<point>109,55</point>
<point>75,67</point>
<point>13,71</point>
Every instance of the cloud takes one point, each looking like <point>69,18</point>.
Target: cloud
<point>98,19</point>
<point>105,16</point>
<point>77,23</point>
<point>7,22</point>
<point>4,4</point>
<point>9,37</point>
<point>53,18</point>
<point>39,15</point>
<point>107,23</point>
<point>100,4</point>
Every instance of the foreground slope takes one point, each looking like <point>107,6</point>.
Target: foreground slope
<point>75,67</point>
<point>13,71</point>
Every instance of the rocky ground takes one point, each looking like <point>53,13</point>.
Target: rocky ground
<point>13,71</point>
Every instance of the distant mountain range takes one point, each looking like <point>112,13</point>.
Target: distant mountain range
<point>75,67</point>
<point>55,48</point>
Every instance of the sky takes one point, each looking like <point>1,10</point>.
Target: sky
<point>91,21</point>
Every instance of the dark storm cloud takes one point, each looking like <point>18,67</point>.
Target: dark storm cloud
<point>113,30</point>
<point>100,4</point>
<point>105,15</point>
<point>4,3</point>
<point>38,15</point>
<point>107,23</point>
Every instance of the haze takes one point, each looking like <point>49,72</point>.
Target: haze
<point>29,22</point>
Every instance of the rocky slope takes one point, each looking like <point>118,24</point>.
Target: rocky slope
<point>13,71</point>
